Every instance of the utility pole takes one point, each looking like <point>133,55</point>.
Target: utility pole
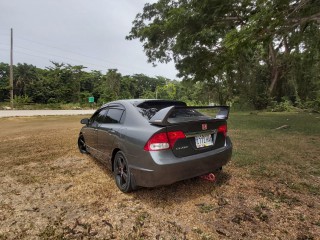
<point>11,70</point>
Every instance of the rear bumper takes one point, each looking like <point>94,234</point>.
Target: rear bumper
<point>168,169</point>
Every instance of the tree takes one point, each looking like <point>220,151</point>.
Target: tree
<point>4,82</point>
<point>168,91</point>
<point>24,74</point>
<point>128,87</point>
<point>109,87</point>
<point>77,77</point>
<point>65,83</point>
<point>229,44</point>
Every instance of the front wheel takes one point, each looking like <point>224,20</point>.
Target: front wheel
<point>82,145</point>
<point>122,173</point>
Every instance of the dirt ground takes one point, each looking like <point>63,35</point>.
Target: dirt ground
<point>48,190</point>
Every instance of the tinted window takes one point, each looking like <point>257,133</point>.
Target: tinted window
<point>149,108</point>
<point>113,115</point>
<point>102,116</point>
<point>183,115</point>
<point>160,104</point>
<point>98,117</point>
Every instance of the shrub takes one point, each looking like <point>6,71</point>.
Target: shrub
<point>312,105</point>
<point>21,100</point>
<point>284,106</point>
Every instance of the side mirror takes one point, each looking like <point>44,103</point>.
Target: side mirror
<point>84,121</point>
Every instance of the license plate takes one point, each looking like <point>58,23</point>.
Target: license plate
<point>203,141</point>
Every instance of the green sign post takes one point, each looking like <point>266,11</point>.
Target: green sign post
<point>91,99</point>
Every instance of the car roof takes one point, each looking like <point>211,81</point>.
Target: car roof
<point>136,102</point>
<point>134,117</point>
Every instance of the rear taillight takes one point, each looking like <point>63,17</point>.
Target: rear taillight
<point>163,141</point>
<point>159,141</point>
<point>174,136</point>
<point>223,129</point>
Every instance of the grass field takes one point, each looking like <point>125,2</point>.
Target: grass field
<point>270,190</point>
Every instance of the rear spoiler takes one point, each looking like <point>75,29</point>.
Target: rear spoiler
<point>162,116</point>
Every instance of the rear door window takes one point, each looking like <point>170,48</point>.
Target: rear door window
<point>113,115</point>
<point>102,115</point>
<point>98,117</point>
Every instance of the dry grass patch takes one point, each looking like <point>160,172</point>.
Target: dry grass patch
<point>269,191</point>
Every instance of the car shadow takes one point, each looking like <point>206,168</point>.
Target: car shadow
<point>182,191</point>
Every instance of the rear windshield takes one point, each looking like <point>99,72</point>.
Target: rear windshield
<point>185,115</point>
<point>149,108</point>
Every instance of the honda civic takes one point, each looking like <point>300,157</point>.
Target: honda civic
<point>148,143</point>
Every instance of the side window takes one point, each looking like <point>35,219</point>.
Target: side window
<point>106,115</point>
<point>114,115</point>
<point>98,117</point>
<point>102,116</point>
<point>93,119</point>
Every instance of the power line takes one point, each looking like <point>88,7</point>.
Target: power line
<point>64,50</point>
<point>90,58</point>
<point>48,54</point>
<point>90,65</point>
<point>48,58</point>
<point>79,54</point>
<point>106,62</point>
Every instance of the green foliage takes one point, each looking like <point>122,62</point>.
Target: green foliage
<point>149,95</point>
<point>255,50</point>
<point>4,82</point>
<point>251,54</point>
<point>22,100</point>
<point>313,105</point>
<point>62,85</point>
<point>284,106</point>
<point>168,91</point>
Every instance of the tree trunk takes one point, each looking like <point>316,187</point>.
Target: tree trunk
<point>275,69</point>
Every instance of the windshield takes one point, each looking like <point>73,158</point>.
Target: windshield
<point>149,108</point>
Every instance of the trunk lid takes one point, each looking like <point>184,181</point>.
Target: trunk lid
<point>204,127</point>
<point>201,136</point>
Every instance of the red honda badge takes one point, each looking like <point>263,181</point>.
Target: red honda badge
<point>204,126</point>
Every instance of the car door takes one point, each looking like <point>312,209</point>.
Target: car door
<point>109,129</point>
<point>90,133</point>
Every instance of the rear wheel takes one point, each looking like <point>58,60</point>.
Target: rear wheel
<point>82,145</point>
<point>122,173</point>
<point>219,169</point>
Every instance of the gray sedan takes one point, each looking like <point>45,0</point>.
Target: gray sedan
<point>147,143</point>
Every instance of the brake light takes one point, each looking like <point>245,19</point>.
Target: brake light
<point>163,141</point>
<point>174,136</point>
<point>159,141</point>
<point>223,129</point>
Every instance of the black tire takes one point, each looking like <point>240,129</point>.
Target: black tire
<point>82,145</point>
<point>122,174</point>
<point>219,169</point>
